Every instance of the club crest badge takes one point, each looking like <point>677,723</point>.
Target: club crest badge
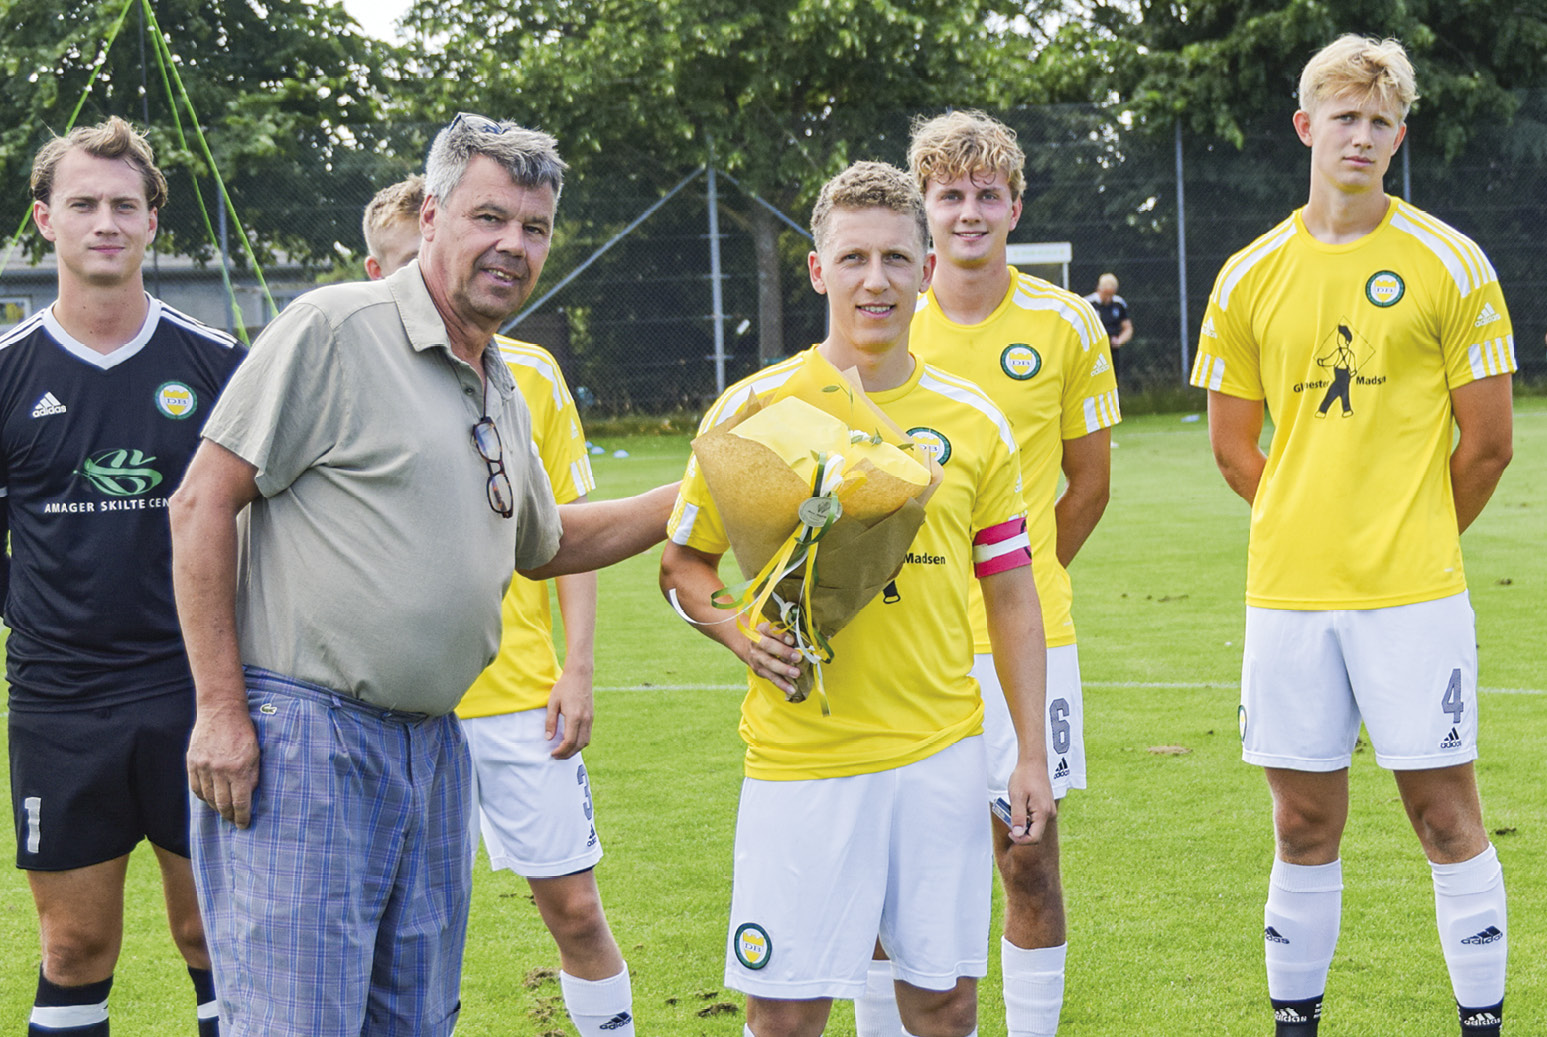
<point>1020,361</point>
<point>176,400</point>
<point>753,946</point>
<point>931,442</point>
<point>1385,288</point>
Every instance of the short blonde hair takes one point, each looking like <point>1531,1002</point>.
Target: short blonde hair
<point>114,138</point>
<point>868,185</point>
<point>962,143</point>
<point>395,204</point>
<point>1364,66</point>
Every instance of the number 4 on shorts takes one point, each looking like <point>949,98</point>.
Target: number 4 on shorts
<point>1452,703</point>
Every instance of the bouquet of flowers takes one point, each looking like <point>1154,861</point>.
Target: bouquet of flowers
<point>821,495</point>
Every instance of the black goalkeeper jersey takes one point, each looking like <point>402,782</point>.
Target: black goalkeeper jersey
<point>91,447</point>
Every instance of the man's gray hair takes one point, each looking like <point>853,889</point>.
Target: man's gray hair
<point>531,157</point>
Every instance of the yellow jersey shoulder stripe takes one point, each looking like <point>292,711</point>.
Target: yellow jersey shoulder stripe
<point>963,391</point>
<point>736,397</point>
<point>526,356</point>
<point>1033,293</point>
<point>1459,254</point>
<point>1240,264</point>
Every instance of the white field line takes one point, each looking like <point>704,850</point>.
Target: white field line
<point>1185,685</point>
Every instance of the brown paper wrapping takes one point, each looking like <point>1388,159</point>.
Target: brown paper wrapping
<point>757,493</point>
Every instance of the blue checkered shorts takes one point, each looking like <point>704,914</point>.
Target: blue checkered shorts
<point>341,911</point>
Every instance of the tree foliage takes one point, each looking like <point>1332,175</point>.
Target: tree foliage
<point>1227,66</point>
<point>288,92</point>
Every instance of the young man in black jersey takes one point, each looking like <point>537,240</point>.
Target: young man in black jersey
<point>102,396</point>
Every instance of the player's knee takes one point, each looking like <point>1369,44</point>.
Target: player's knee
<point>74,955</point>
<point>575,917</point>
<point>1030,875</point>
<point>188,935</point>
<point>943,1013</point>
<point>1447,831</point>
<point>1306,828</point>
<point>771,1018</point>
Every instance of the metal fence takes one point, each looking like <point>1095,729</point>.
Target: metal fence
<point>637,326</point>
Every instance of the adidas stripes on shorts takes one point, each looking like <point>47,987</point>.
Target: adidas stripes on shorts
<point>1408,671</point>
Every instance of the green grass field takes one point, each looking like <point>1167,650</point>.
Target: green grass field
<point>1166,856</point>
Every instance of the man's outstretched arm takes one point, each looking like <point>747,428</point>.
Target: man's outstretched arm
<point>602,533</point>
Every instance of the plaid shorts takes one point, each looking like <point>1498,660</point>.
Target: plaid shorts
<point>341,911</point>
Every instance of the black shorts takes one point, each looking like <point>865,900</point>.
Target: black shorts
<point>87,785</point>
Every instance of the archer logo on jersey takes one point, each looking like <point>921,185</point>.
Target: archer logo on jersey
<point>121,472</point>
<point>1487,316</point>
<point>1385,288</point>
<point>754,948</point>
<point>176,400</point>
<point>931,442</point>
<point>48,404</point>
<point>1347,355</point>
<point>1101,366</point>
<point>1020,361</point>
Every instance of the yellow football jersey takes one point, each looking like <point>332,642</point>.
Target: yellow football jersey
<point>898,686</point>
<point>527,667</point>
<point>1044,358</point>
<point>1355,349</point>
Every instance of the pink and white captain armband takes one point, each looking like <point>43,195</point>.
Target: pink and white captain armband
<point>1002,547</point>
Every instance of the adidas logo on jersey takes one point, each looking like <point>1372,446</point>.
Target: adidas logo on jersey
<point>48,404</point>
<point>1102,365</point>
<point>1487,316</point>
<point>1478,1020</point>
<point>1492,934</point>
<point>1208,329</point>
<point>1062,770</point>
<point>1452,740</point>
<point>1290,1015</point>
<point>1272,935</point>
<point>617,1022</point>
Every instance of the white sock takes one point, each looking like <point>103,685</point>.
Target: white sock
<point>1033,988</point>
<point>1300,928</point>
<point>1469,908</point>
<point>599,1007</point>
<point>875,1013</point>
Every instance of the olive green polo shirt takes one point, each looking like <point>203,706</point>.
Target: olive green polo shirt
<point>372,564</point>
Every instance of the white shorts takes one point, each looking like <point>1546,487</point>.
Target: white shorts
<point>535,811</point>
<point>1064,727</point>
<point>824,866</point>
<point>1410,671</point>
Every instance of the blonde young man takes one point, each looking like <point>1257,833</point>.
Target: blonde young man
<point>1374,334</point>
<point>102,395</point>
<point>869,820</point>
<point>1042,356</point>
<point>525,719</point>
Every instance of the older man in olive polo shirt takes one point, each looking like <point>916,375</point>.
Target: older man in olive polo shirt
<point>383,458</point>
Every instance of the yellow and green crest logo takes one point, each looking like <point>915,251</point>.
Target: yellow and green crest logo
<point>176,400</point>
